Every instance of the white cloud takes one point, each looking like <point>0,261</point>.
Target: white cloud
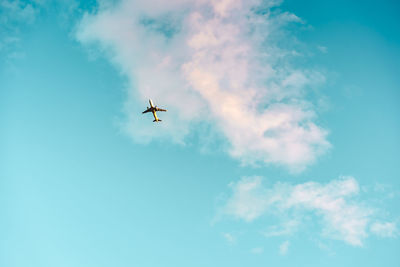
<point>286,228</point>
<point>16,12</point>
<point>257,250</point>
<point>325,247</point>
<point>13,15</point>
<point>341,216</point>
<point>249,200</point>
<point>284,247</point>
<point>216,62</point>
<point>385,229</point>
<point>322,49</point>
<point>229,237</point>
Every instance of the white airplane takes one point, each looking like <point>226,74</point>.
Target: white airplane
<point>153,110</point>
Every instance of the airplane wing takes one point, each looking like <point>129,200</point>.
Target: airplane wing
<point>147,110</point>
<point>160,109</point>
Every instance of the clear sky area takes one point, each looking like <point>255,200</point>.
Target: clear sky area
<point>280,146</point>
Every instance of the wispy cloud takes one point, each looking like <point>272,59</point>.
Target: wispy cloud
<point>284,247</point>
<point>17,11</point>
<point>385,229</point>
<point>257,250</point>
<point>322,49</point>
<point>286,228</point>
<point>17,17</point>
<point>230,238</point>
<point>217,62</point>
<point>335,205</point>
<point>14,15</point>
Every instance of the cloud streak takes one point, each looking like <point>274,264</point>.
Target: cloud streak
<point>340,215</point>
<point>385,229</point>
<point>284,247</point>
<point>13,16</point>
<point>213,62</point>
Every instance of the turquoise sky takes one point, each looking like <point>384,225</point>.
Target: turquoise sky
<point>79,188</point>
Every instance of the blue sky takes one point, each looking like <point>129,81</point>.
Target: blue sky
<point>279,147</point>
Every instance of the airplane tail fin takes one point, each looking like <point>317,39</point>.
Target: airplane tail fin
<point>157,120</point>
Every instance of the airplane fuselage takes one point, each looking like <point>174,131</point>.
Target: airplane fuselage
<point>155,116</point>
<point>153,109</point>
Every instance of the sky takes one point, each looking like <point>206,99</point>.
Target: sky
<point>279,147</point>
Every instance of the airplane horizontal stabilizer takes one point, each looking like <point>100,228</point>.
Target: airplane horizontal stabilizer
<point>157,120</point>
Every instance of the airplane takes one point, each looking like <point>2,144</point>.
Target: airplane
<point>153,110</point>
